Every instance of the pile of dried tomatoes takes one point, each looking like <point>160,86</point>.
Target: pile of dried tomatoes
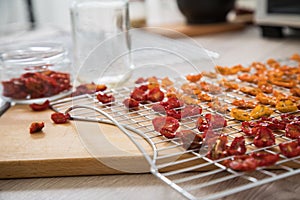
<point>36,85</point>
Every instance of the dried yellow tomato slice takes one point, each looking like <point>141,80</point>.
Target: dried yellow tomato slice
<point>265,99</point>
<point>260,111</point>
<point>229,84</point>
<point>216,105</point>
<point>295,57</point>
<point>204,97</point>
<point>248,78</point>
<point>273,63</point>
<point>189,100</point>
<point>194,77</point>
<point>239,114</point>
<point>295,91</point>
<point>191,88</point>
<point>243,104</point>
<point>250,90</point>
<point>281,82</point>
<point>265,87</point>
<point>153,83</point>
<point>286,105</point>
<point>228,70</point>
<point>209,74</point>
<point>166,82</point>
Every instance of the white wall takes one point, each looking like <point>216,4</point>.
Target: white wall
<point>52,12</point>
<point>13,16</point>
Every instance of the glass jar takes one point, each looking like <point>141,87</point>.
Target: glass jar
<point>101,41</point>
<point>34,72</point>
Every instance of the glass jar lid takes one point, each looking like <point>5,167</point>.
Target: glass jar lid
<point>33,54</point>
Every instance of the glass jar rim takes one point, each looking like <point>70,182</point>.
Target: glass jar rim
<point>30,54</point>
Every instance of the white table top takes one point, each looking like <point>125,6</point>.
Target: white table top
<point>235,47</point>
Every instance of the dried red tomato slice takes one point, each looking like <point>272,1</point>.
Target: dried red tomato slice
<point>140,80</point>
<point>211,122</point>
<point>264,137</point>
<point>210,136</point>
<point>215,121</point>
<point>159,108</point>
<point>242,163</point>
<point>292,130</point>
<point>143,87</point>
<point>14,88</point>
<point>105,98</point>
<point>92,87</point>
<point>173,102</point>
<point>167,126</point>
<point>190,111</point>
<point>36,127</point>
<point>130,103</point>
<point>62,79</point>
<point>265,159</point>
<point>40,107</point>
<point>237,146</point>
<point>287,118</point>
<point>249,128</point>
<point>89,88</point>
<point>276,125</point>
<point>37,85</point>
<point>201,124</point>
<point>219,148</point>
<point>174,113</point>
<point>272,123</point>
<point>190,140</point>
<point>139,94</point>
<point>60,118</point>
<point>155,95</point>
<point>290,149</point>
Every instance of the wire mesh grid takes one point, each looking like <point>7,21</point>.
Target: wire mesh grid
<point>186,171</point>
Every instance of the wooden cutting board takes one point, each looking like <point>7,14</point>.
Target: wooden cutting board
<point>196,30</point>
<point>60,151</point>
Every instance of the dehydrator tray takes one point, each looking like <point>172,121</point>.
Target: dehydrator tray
<point>169,161</point>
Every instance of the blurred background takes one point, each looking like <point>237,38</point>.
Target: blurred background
<point>17,15</point>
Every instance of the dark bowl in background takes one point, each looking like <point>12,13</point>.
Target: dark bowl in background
<point>205,11</point>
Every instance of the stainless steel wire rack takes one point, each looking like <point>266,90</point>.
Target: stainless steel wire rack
<point>186,171</point>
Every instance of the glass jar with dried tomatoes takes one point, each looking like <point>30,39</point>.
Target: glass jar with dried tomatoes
<point>34,72</point>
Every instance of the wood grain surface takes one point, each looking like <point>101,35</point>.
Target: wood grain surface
<point>142,186</point>
<point>198,30</point>
<point>59,151</point>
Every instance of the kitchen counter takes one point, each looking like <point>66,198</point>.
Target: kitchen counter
<point>243,46</point>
